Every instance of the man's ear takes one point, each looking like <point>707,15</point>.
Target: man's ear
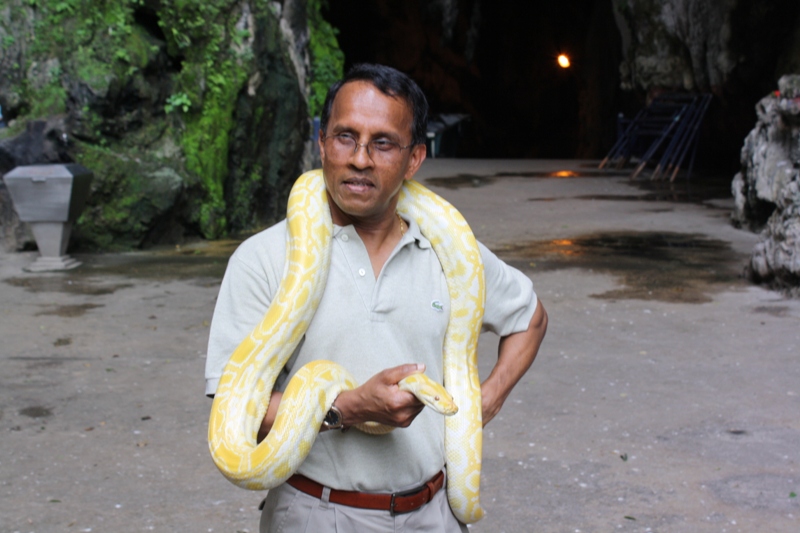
<point>418,154</point>
<point>321,143</point>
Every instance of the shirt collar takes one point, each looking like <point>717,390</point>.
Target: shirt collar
<point>413,233</point>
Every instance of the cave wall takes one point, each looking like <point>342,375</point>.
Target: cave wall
<point>496,61</point>
<point>192,115</point>
<point>735,49</point>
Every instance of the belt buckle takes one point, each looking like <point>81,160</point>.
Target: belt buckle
<point>409,492</point>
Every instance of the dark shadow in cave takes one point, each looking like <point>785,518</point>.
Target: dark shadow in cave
<point>496,61</point>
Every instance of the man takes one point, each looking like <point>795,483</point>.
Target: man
<point>383,316</point>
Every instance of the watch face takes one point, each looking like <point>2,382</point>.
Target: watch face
<point>332,419</point>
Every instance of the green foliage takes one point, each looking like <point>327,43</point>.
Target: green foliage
<point>91,70</point>
<point>62,24</point>
<point>125,192</point>
<point>100,45</point>
<point>105,47</point>
<point>64,30</point>
<point>49,96</point>
<point>50,100</point>
<point>108,223</point>
<point>327,59</point>
<point>208,84</point>
<point>178,101</point>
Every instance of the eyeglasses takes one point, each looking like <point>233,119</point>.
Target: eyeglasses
<point>379,150</point>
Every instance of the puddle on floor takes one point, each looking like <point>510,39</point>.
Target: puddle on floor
<point>158,266</point>
<point>202,263</point>
<point>697,189</point>
<point>34,363</point>
<point>596,173</point>
<point>67,282</point>
<point>36,411</point>
<point>462,181</point>
<point>473,180</point>
<point>773,310</point>
<point>670,267</point>
<point>69,311</point>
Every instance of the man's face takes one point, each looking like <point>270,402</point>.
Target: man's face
<point>363,188</point>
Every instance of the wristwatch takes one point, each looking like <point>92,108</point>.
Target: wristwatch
<point>334,419</point>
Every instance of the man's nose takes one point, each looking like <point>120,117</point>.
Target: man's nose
<point>361,158</point>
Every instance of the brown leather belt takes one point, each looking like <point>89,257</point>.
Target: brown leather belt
<point>396,503</point>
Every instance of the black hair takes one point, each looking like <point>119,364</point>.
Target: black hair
<point>390,82</point>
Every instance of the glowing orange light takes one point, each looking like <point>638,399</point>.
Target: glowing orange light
<point>564,174</point>
<point>563,61</point>
<point>562,242</point>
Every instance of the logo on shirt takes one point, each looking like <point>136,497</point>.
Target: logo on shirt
<point>437,306</point>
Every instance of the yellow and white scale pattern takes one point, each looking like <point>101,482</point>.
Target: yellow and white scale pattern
<point>244,389</point>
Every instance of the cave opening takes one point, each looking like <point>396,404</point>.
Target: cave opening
<point>498,63</point>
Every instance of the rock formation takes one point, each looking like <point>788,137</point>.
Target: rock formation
<point>767,190</point>
<point>192,116</point>
<point>674,44</point>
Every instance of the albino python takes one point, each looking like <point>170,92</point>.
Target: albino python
<point>244,389</point>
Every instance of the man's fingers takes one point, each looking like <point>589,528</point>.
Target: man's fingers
<point>395,374</point>
<point>382,401</point>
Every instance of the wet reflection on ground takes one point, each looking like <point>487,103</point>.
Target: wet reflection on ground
<point>697,189</point>
<point>596,173</point>
<point>70,282</point>
<point>473,180</point>
<point>68,311</point>
<point>671,267</point>
<point>203,263</point>
<point>461,181</point>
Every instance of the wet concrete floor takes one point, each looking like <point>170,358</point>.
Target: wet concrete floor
<point>664,398</point>
<point>671,267</point>
<point>651,265</point>
<point>696,189</point>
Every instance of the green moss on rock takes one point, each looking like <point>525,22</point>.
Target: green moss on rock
<point>157,97</point>
<point>327,59</point>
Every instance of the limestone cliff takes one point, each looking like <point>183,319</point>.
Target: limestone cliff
<point>697,45</point>
<point>192,115</point>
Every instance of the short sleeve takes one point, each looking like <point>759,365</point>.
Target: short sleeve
<point>251,280</point>
<point>510,298</point>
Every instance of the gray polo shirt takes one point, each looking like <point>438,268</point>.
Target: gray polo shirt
<point>367,325</point>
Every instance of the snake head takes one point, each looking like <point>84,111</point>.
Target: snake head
<point>429,392</point>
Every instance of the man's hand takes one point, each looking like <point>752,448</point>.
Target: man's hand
<point>380,400</point>
<point>377,400</point>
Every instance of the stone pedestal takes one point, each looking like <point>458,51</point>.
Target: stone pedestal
<point>50,198</point>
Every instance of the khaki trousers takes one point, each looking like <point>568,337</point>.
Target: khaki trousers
<point>287,510</point>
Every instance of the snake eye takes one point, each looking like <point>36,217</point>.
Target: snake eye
<point>436,398</point>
